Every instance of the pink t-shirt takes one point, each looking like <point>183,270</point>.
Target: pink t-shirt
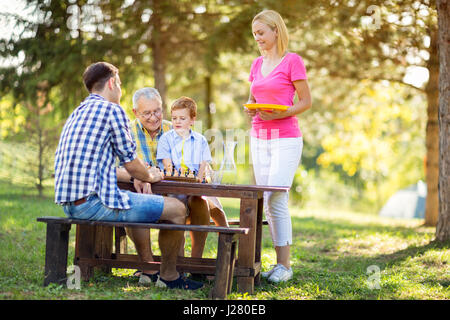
<point>276,88</point>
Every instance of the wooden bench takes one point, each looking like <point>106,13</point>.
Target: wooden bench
<point>94,242</point>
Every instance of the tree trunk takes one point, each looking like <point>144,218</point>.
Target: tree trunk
<point>432,134</point>
<point>40,185</point>
<point>159,70</point>
<point>443,226</point>
<point>159,54</point>
<point>208,101</point>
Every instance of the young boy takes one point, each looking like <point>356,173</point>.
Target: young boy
<point>183,148</point>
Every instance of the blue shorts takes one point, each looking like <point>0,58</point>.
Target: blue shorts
<point>144,208</point>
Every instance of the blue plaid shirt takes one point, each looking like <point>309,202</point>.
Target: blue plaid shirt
<point>95,133</point>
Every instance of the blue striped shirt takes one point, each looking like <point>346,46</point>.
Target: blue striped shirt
<point>195,149</point>
<point>94,135</point>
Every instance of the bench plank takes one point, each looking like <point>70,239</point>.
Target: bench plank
<point>161,226</point>
<point>134,262</point>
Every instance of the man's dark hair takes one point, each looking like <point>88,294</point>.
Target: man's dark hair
<point>96,75</point>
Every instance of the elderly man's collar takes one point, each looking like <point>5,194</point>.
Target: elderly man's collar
<point>165,125</point>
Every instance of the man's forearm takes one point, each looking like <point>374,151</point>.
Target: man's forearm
<point>135,169</point>
<point>123,175</point>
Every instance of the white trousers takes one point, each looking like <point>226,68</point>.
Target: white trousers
<point>275,162</point>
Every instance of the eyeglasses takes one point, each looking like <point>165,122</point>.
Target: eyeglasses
<point>148,115</point>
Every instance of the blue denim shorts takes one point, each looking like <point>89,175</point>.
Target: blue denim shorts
<point>144,208</point>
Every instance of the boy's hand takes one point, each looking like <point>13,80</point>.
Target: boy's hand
<point>204,172</point>
<point>200,175</point>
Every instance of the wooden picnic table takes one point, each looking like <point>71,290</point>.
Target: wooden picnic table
<point>248,265</point>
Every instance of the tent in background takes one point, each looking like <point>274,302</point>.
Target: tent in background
<point>407,203</point>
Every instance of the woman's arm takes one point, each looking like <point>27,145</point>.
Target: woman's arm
<point>304,103</point>
<point>251,112</point>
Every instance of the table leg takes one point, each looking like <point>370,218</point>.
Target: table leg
<point>259,219</point>
<point>247,243</point>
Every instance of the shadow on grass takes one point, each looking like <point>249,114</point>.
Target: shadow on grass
<point>321,271</point>
<point>310,226</point>
<point>317,235</point>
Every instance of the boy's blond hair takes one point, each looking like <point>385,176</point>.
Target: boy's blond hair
<point>185,103</point>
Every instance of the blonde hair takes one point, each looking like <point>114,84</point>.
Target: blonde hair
<point>274,21</point>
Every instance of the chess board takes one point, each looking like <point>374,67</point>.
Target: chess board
<point>181,179</point>
<point>181,175</point>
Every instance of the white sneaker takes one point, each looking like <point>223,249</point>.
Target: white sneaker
<point>281,274</point>
<point>267,274</point>
<point>146,279</point>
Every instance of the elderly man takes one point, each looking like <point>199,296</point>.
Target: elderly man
<point>147,128</point>
<point>86,178</point>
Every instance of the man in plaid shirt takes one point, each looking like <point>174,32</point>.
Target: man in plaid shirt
<point>86,176</point>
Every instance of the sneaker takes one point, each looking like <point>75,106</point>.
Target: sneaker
<point>180,283</point>
<point>281,274</point>
<point>146,279</point>
<point>137,273</point>
<point>267,274</point>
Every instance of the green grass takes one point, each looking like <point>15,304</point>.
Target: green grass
<point>331,254</point>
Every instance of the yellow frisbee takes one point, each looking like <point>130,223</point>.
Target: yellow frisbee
<point>266,106</point>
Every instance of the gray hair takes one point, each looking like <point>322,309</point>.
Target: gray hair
<point>147,92</point>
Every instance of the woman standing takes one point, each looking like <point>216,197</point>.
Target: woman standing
<point>276,140</point>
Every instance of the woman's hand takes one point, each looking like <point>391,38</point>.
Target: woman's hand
<point>250,112</point>
<point>275,114</point>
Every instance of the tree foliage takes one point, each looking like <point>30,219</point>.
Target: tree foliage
<point>358,128</point>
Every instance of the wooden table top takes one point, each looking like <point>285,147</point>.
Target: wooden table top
<point>208,189</point>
